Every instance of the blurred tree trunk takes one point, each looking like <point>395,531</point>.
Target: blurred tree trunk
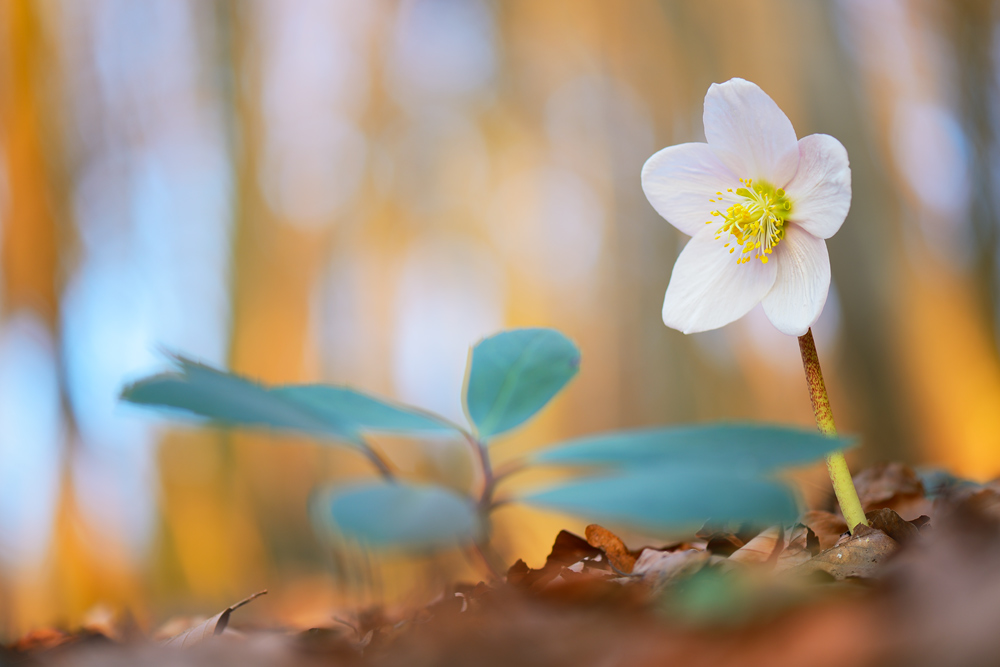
<point>36,240</point>
<point>970,26</point>
<point>29,256</point>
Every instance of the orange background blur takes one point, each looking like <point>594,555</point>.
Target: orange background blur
<point>355,191</point>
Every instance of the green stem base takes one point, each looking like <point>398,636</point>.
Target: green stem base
<point>840,474</point>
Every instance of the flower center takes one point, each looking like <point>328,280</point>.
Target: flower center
<point>754,220</point>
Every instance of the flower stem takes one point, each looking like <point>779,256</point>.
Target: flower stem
<point>488,559</point>
<point>840,474</point>
<point>486,468</point>
<point>378,461</point>
<point>481,548</point>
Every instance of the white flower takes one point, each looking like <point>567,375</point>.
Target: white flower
<point>758,204</point>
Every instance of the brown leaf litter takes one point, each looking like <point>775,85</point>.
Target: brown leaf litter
<point>210,627</point>
<point>618,554</point>
<point>922,591</point>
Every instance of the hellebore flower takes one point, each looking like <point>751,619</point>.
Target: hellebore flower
<point>758,204</point>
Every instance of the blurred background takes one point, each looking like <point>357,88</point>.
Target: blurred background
<point>354,191</point>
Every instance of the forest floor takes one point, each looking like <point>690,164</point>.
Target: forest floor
<point>920,586</point>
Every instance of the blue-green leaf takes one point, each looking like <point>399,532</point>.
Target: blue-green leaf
<point>362,411</point>
<point>229,399</point>
<point>397,516</point>
<point>318,410</point>
<point>513,374</point>
<point>671,498</point>
<point>752,447</point>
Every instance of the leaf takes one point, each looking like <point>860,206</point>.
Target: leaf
<point>398,515</point>
<point>361,411</point>
<point>513,374</point>
<point>229,399</point>
<point>893,525</point>
<point>755,447</point>
<point>671,498</point>
<point>792,551</point>
<point>827,526</point>
<point>37,640</point>
<point>209,628</point>
<point>319,410</point>
<point>567,550</point>
<point>893,485</point>
<point>860,555</point>
<point>882,484</point>
<point>762,548</point>
<point>612,545</point>
<point>665,567</point>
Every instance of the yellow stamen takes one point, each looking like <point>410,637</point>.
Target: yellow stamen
<point>755,218</point>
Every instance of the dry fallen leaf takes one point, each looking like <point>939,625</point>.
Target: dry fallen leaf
<point>860,555</point>
<point>827,526</point>
<point>761,548</point>
<point>800,546</point>
<point>663,567</point>
<point>794,548</point>
<point>890,523</point>
<point>985,500</point>
<point>209,628</point>
<point>41,639</point>
<point>612,545</point>
<point>568,551</point>
<point>894,485</point>
<point>722,543</point>
<point>724,540</point>
<point>881,482</point>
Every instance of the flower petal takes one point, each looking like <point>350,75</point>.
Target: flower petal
<point>680,180</point>
<point>708,289</point>
<point>821,190</point>
<point>749,133</point>
<point>799,292</point>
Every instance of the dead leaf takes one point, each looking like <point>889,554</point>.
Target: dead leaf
<point>41,639</point>
<point>567,550</point>
<point>800,546</point>
<point>894,485</point>
<point>892,525</point>
<point>761,548</point>
<point>612,545</point>
<point>209,628</point>
<point>827,526</point>
<point>860,555</point>
<point>722,541</point>
<point>794,548</point>
<point>985,501</point>
<point>517,574</point>
<point>664,567</point>
<point>881,482</point>
<point>723,544</point>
